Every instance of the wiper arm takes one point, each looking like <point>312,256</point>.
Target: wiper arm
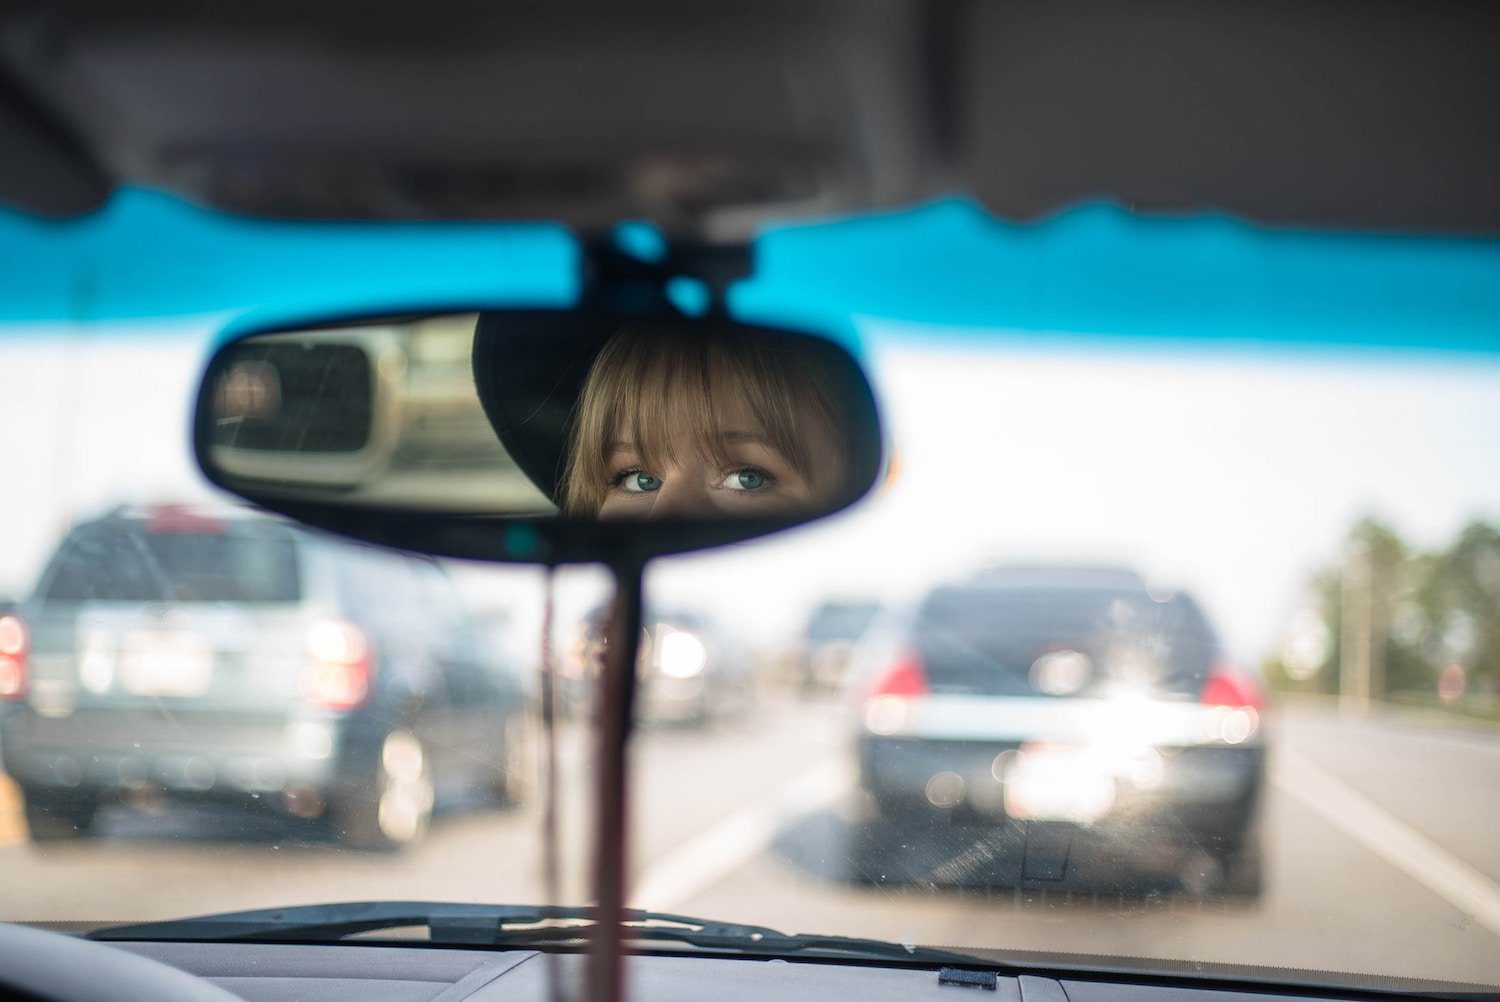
<point>341,920</point>
<point>513,926</point>
<point>734,937</point>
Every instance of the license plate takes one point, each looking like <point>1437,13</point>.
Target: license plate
<point>1058,783</point>
<point>165,664</point>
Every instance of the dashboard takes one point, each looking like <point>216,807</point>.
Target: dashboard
<point>335,973</point>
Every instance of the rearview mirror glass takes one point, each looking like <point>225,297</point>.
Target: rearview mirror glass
<point>540,435</point>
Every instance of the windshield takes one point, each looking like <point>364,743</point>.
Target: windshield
<point>1143,655</point>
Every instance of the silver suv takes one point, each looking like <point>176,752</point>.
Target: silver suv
<point>223,655</point>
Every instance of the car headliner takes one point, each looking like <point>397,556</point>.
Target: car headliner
<point>709,118</point>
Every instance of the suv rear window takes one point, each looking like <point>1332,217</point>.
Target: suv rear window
<point>989,641</point>
<point>841,622</point>
<point>125,561</point>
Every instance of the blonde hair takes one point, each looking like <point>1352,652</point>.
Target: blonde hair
<point>652,381</point>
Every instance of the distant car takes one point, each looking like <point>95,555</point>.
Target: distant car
<point>221,655</point>
<point>831,633</point>
<point>516,650</point>
<point>690,670</point>
<point>1089,725</point>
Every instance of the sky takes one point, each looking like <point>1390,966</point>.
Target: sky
<point>1228,473</point>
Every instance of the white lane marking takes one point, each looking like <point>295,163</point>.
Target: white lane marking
<point>1448,739</point>
<point>1454,743</point>
<point>1371,825</point>
<point>1441,739</point>
<point>712,855</point>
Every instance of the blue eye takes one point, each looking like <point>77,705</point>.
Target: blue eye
<point>745,480</point>
<point>637,482</point>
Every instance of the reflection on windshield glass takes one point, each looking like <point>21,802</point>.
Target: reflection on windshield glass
<point>1151,655</point>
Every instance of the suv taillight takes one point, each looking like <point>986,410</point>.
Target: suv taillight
<point>339,666</point>
<point>905,677</point>
<point>15,647</point>
<point>1230,687</point>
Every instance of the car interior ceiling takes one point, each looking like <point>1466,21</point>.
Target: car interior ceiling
<point>1285,113</point>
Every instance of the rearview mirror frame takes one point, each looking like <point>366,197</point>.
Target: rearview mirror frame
<point>549,540</point>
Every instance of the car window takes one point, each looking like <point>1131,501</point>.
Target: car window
<point>382,583</point>
<point>130,562</point>
<point>844,622</point>
<point>1002,640</point>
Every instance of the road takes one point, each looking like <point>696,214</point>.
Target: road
<point>1381,842</point>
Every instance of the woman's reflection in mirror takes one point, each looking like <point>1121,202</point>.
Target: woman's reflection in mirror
<point>688,421</point>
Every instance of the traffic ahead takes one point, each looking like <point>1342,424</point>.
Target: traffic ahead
<point>1377,821</point>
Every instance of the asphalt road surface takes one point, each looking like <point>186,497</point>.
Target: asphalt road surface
<point>1382,842</point>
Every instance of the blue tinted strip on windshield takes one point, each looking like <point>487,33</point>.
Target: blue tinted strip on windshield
<point>150,255</point>
<point>1096,270</point>
<point>1104,272</point>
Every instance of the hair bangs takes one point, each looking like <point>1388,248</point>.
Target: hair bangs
<point>666,401</point>
<point>662,390</point>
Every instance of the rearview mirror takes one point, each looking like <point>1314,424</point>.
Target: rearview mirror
<point>540,435</point>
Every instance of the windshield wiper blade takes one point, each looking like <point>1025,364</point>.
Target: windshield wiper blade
<point>332,921</point>
<point>512,926</point>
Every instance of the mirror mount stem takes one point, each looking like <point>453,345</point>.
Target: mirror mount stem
<point>614,280</point>
<point>616,697</point>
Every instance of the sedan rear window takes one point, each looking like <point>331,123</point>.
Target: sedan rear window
<point>1062,642</point>
<point>128,562</point>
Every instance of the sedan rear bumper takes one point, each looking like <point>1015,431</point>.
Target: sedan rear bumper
<point>1204,786</point>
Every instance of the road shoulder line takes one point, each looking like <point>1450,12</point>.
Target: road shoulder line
<point>1390,838</point>
<point>708,857</point>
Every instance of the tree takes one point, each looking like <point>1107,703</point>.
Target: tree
<point>1373,587</point>
<point>1395,617</point>
<point>1460,600</point>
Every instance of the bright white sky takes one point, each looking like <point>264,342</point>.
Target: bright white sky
<point>1227,474</point>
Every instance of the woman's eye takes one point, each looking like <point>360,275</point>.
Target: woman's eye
<point>745,480</point>
<point>639,482</point>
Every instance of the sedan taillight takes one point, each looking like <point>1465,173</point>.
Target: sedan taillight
<point>1236,704</point>
<point>888,699</point>
<point>905,677</point>
<point>1230,687</point>
<point>15,648</point>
